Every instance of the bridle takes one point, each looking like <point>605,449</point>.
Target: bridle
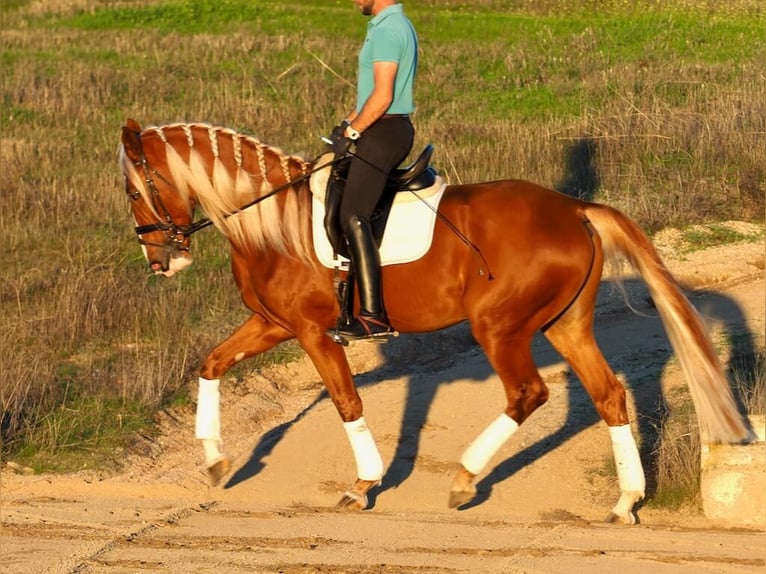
<point>175,234</point>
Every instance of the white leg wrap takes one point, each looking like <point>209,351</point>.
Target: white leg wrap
<point>630,473</point>
<point>484,447</point>
<point>208,422</point>
<point>212,450</point>
<point>369,465</point>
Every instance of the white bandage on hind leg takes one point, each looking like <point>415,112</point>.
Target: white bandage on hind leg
<point>630,473</point>
<point>369,465</point>
<point>208,422</point>
<point>484,447</point>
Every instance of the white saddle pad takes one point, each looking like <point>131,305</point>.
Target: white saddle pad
<point>408,232</point>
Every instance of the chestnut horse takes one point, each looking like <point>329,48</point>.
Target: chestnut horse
<point>545,251</point>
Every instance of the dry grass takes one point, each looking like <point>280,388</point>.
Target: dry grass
<point>676,455</point>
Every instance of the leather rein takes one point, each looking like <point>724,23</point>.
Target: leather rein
<point>176,234</point>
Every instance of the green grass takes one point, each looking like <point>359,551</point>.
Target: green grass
<point>521,66</point>
<point>191,17</point>
<point>698,238</point>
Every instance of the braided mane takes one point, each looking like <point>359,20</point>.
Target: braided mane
<point>224,170</point>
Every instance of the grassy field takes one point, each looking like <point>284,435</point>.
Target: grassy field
<point>656,108</point>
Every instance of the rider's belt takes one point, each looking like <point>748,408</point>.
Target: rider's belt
<point>389,116</point>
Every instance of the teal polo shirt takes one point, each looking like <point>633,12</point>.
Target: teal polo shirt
<point>390,38</point>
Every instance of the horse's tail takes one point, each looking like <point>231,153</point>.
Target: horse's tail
<point>717,413</point>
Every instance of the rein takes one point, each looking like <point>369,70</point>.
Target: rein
<point>451,226</point>
<point>177,233</point>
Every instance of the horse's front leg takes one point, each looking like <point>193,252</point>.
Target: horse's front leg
<point>254,336</point>
<point>331,364</point>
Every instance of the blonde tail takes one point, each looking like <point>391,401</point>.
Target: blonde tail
<point>717,413</point>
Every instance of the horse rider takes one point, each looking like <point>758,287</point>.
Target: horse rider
<point>380,127</point>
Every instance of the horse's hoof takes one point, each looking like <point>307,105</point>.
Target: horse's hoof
<point>615,518</point>
<point>460,497</point>
<point>353,501</point>
<point>218,469</point>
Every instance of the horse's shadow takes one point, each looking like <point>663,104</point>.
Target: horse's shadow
<point>582,181</point>
<point>266,444</point>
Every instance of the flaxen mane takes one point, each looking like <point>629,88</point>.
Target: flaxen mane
<point>226,170</point>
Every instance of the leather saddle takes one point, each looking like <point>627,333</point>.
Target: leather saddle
<point>416,176</point>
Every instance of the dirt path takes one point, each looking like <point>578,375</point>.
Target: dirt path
<point>539,507</point>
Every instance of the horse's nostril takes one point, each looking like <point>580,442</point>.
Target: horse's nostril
<point>156,266</point>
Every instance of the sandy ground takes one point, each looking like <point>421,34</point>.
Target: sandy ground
<point>540,505</point>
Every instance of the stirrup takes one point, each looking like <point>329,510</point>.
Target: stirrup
<point>364,328</point>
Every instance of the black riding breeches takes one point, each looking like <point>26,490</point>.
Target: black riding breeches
<point>382,147</point>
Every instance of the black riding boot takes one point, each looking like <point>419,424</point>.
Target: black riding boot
<point>372,320</point>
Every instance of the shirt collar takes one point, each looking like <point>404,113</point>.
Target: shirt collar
<point>387,11</point>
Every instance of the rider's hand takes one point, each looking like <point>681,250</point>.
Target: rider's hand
<point>338,140</point>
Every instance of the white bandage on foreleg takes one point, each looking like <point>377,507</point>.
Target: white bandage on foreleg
<point>630,473</point>
<point>212,450</point>
<point>208,422</point>
<point>484,447</point>
<point>369,465</point>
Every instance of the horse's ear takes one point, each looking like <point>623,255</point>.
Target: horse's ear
<point>131,139</point>
<point>132,124</point>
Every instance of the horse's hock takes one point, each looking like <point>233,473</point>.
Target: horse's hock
<point>733,480</point>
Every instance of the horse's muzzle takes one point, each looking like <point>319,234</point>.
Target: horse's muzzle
<point>170,265</point>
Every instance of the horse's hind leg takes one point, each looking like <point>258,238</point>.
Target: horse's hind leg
<point>511,357</point>
<point>573,337</point>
